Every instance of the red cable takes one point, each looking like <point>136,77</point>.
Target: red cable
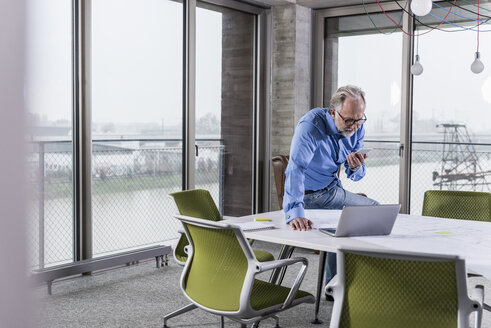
<point>426,31</point>
<point>478,6</point>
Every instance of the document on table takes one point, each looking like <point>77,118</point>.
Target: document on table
<point>255,226</point>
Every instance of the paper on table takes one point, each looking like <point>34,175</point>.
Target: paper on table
<point>255,226</point>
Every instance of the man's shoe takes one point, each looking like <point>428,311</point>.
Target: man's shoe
<point>329,298</point>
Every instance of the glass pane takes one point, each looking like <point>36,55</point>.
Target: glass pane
<point>48,94</point>
<point>451,106</point>
<point>358,53</point>
<point>136,122</point>
<point>225,106</point>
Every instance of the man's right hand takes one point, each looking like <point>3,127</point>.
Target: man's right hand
<point>302,224</point>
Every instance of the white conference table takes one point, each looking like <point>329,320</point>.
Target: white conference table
<point>469,239</point>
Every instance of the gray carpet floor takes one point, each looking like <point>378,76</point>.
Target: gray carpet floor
<point>140,295</point>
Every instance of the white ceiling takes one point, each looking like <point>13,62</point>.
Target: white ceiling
<point>316,4</point>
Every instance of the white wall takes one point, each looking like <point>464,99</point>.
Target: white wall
<point>15,307</point>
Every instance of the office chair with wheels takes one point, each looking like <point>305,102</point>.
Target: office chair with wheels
<point>199,203</point>
<point>375,288</point>
<point>220,275</point>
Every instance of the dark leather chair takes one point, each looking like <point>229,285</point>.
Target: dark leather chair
<point>280,163</point>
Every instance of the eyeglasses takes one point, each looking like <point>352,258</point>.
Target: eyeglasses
<point>350,121</point>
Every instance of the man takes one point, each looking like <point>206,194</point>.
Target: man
<point>324,139</point>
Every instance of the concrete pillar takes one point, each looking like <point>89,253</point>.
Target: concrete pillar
<point>237,110</point>
<point>291,77</point>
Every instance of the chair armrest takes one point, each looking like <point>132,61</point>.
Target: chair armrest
<point>477,299</point>
<point>266,266</point>
<point>270,265</point>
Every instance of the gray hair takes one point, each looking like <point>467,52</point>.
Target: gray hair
<point>347,91</point>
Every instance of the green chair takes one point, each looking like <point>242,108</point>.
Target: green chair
<point>464,205</point>
<point>220,274</point>
<point>380,288</point>
<point>198,203</point>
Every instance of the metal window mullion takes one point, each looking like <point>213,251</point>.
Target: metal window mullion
<point>406,117</point>
<point>255,119</point>
<point>82,132</point>
<point>263,92</point>
<point>76,82</point>
<point>189,94</point>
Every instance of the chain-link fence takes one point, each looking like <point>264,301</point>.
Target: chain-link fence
<point>381,181</point>
<point>131,181</point>
<point>430,167</point>
<point>436,166</point>
<point>209,169</point>
<point>50,211</point>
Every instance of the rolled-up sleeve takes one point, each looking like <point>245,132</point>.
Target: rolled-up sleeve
<point>360,173</point>
<point>304,144</point>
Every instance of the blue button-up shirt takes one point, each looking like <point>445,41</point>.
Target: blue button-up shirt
<point>316,152</point>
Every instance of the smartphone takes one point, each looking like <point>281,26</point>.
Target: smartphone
<point>364,151</point>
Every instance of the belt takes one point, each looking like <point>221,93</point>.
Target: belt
<point>312,191</point>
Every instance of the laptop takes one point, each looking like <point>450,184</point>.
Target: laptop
<point>365,220</point>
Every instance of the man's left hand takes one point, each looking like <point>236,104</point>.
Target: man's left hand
<point>355,161</point>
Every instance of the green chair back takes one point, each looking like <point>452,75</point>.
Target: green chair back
<point>386,292</point>
<point>196,203</point>
<point>216,272</point>
<point>464,205</point>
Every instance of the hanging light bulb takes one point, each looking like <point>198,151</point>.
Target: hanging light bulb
<point>417,68</point>
<point>477,65</point>
<point>421,7</point>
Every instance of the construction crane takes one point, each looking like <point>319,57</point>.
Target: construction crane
<point>460,167</point>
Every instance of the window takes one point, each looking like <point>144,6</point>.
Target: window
<point>225,94</point>
<point>136,122</point>
<point>48,94</point>
<point>451,111</point>
<point>356,53</point>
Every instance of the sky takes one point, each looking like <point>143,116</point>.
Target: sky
<point>137,67</point>
<point>447,91</point>
<point>136,61</point>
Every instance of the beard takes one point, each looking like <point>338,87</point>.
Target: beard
<point>347,132</point>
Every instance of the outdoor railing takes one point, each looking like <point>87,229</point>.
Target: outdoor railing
<point>131,180</point>
<point>381,181</point>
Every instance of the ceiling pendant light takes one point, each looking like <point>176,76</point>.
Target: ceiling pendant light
<point>417,68</point>
<point>477,66</point>
<point>421,7</point>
